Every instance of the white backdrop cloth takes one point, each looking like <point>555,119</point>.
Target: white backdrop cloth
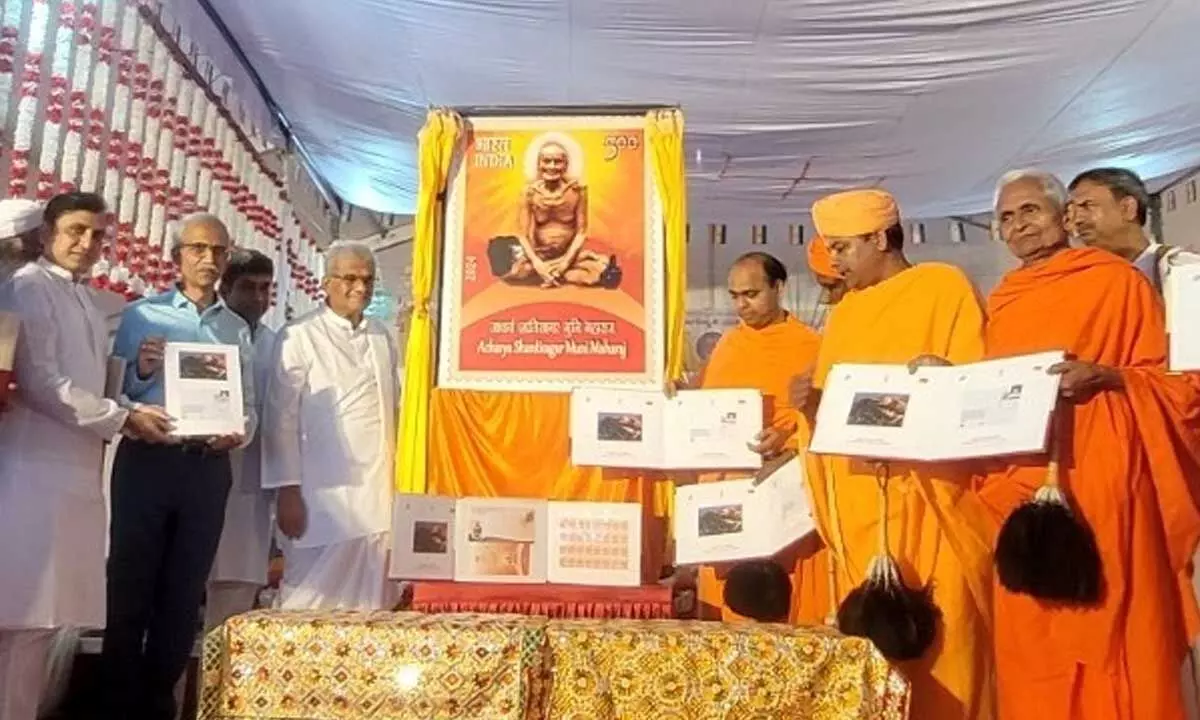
<point>785,99</point>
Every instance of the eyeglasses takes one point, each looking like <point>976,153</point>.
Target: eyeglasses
<point>201,249</point>
<point>365,280</point>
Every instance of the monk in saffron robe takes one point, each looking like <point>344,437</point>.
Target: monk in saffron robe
<point>820,263</point>
<point>940,534</point>
<point>1129,441</point>
<point>767,348</point>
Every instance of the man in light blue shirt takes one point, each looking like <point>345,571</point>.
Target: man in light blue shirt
<point>168,501</point>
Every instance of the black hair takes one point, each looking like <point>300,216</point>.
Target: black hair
<point>775,270</point>
<point>895,237</point>
<point>1121,183</point>
<point>70,202</point>
<point>760,590</point>
<point>244,262</point>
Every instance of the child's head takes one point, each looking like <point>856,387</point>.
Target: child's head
<point>760,590</point>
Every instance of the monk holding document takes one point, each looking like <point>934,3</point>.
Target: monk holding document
<point>1129,453</point>
<point>940,535</point>
<point>763,352</point>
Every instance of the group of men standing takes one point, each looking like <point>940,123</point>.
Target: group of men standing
<point>1127,432</point>
<point>188,519</point>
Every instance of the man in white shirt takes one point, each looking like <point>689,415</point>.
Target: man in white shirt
<point>328,444</point>
<point>1108,210</point>
<point>240,568</point>
<point>52,513</point>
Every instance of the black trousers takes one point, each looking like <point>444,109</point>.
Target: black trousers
<point>168,508</point>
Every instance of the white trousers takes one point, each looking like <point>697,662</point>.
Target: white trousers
<point>24,657</point>
<point>350,575</point>
<point>225,599</point>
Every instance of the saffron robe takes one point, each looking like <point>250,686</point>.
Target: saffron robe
<point>939,532</point>
<point>765,359</point>
<point>1127,459</point>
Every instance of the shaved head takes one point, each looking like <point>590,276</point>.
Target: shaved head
<point>756,285</point>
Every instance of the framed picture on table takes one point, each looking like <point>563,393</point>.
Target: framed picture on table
<point>500,540</point>
<point>553,271</point>
<point>592,543</point>
<point>422,537</point>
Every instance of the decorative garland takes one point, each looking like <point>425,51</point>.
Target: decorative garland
<point>110,99</point>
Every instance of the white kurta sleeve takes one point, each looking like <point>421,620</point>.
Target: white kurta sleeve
<point>249,401</point>
<point>280,426</point>
<point>42,383</point>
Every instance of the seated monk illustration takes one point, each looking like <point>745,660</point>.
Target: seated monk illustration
<point>553,231</point>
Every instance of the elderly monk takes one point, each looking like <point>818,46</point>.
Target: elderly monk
<point>766,349</point>
<point>1131,440</point>
<point>941,535</point>
<point>554,228</point>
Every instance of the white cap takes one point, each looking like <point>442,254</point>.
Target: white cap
<point>18,216</point>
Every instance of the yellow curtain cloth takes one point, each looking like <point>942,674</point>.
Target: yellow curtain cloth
<point>436,144</point>
<point>664,137</point>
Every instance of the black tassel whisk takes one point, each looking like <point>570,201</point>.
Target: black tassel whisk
<point>1047,550</point>
<point>900,621</point>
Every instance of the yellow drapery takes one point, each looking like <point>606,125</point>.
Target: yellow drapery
<point>436,144</point>
<point>664,136</point>
<point>490,444</point>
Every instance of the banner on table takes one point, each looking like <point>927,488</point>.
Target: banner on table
<point>553,269</point>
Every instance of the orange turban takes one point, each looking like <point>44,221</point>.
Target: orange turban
<point>854,213</point>
<point>819,259</point>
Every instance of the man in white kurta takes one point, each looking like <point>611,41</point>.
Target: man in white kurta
<point>52,513</point>
<point>328,444</point>
<point>239,570</point>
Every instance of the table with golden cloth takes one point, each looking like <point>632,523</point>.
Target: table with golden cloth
<point>350,666</point>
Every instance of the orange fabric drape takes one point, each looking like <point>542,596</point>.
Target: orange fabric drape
<point>765,359</point>
<point>1132,460</point>
<point>939,532</point>
<point>495,444</point>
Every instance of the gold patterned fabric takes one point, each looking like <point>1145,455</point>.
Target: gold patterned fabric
<point>677,670</point>
<point>346,666</point>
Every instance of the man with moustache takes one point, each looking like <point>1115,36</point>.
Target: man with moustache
<point>240,568</point>
<point>329,443</point>
<point>52,512</point>
<point>1108,210</point>
<point>895,313</point>
<point>168,501</point>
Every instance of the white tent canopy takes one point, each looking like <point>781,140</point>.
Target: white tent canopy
<point>784,99</point>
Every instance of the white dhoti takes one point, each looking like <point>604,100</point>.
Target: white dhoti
<point>350,575</point>
<point>24,657</point>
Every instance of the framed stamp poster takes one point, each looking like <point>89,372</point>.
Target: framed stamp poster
<point>422,537</point>
<point>553,267</point>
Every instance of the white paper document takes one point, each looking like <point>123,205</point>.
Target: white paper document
<point>500,540</point>
<point>595,544</point>
<point>203,386</point>
<point>985,409</point>
<point>734,520</point>
<point>1182,293</point>
<point>422,538</point>
<point>695,430</point>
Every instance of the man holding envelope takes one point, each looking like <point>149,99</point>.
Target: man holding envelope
<point>52,439</point>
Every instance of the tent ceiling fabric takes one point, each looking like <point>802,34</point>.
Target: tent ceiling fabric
<point>785,99</point>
